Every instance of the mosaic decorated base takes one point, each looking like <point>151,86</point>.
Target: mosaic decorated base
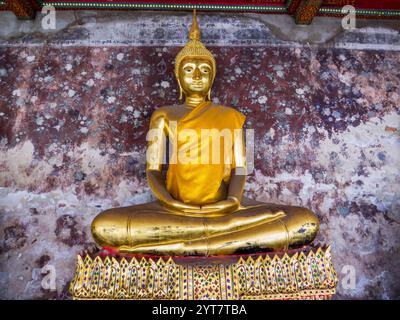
<point>300,275</point>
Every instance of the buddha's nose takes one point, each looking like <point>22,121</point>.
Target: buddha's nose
<point>196,74</point>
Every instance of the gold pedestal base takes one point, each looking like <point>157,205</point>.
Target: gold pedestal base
<point>306,274</point>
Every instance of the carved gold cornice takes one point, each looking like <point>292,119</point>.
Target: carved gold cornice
<point>291,276</point>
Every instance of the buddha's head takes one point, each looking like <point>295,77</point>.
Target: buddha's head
<point>195,66</point>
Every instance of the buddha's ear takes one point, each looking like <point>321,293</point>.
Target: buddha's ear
<point>209,94</point>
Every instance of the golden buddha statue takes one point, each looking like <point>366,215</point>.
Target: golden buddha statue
<point>200,208</point>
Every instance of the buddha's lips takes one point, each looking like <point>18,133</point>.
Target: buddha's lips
<point>197,84</point>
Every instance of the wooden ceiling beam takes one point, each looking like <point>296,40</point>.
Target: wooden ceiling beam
<point>306,11</point>
<point>292,7</point>
<point>23,9</point>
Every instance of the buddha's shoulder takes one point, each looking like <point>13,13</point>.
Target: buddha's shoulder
<point>163,112</point>
<point>226,108</point>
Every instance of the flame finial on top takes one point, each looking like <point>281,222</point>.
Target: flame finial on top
<point>194,33</point>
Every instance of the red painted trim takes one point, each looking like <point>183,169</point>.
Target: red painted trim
<point>364,4</point>
<point>293,6</point>
<point>209,2</point>
<point>359,4</point>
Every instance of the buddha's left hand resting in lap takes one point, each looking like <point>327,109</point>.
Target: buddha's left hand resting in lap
<point>200,208</point>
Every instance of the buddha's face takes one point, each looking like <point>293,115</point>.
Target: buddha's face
<point>195,76</point>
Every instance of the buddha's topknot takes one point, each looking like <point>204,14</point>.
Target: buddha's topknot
<point>194,48</point>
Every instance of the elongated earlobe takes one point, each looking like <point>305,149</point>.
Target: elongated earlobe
<point>180,91</point>
<point>209,94</point>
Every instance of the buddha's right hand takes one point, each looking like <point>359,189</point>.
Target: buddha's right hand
<point>182,207</point>
<point>229,205</point>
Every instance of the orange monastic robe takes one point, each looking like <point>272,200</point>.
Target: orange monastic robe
<point>203,159</point>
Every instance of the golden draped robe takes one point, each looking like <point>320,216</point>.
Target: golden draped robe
<point>203,153</point>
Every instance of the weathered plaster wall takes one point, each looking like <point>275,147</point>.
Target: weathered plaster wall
<point>74,110</point>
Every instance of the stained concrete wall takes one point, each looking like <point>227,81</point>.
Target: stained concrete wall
<point>75,104</point>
